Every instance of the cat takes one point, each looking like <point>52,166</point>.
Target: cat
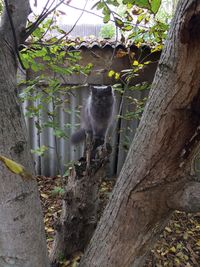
<point>97,115</point>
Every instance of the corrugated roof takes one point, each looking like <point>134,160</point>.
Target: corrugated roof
<point>93,42</point>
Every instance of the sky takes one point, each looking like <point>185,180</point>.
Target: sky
<point>71,14</point>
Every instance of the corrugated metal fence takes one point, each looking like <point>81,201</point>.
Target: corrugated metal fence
<point>61,152</point>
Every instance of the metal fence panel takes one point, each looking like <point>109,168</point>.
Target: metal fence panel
<point>61,152</point>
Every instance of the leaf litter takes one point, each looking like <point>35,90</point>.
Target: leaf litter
<point>178,246</point>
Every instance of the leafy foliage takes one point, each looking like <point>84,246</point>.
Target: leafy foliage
<point>49,62</point>
<point>107,31</point>
<point>142,23</point>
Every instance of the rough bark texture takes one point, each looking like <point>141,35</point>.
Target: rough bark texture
<point>80,206</point>
<point>158,166</point>
<point>22,237</point>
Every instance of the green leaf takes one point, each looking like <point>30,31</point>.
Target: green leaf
<point>58,191</point>
<point>106,18</point>
<point>143,3</point>
<point>40,150</point>
<point>141,17</point>
<point>59,133</point>
<point>99,5</point>
<point>127,28</point>
<point>119,22</point>
<point>155,5</point>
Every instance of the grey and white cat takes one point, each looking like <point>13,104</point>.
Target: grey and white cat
<point>97,115</point>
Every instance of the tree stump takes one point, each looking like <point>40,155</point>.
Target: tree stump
<point>80,203</point>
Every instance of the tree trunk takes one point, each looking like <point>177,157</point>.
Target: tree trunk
<point>80,206</point>
<point>22,236</point>
<point>159,173</point>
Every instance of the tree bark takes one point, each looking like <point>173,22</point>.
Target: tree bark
<point>22,236</point>
<point>80,205</point>
<point>158,175</point>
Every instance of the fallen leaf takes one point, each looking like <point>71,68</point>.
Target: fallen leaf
<point>44,196</point>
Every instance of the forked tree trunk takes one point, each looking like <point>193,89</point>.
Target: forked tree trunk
<point>22,237</point>
<point>80,205</point>
<point>158,175</point>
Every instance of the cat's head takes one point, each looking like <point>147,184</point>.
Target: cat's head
<point>101,90</point>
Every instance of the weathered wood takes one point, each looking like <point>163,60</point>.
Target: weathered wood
<point>158,165</point>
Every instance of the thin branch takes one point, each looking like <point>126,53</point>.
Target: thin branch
<point>45,7</point>
<point>40,20</point>
<point>50,24</point>
<point>41,14</point>
<point>99,16</point>
<point>83,10</point>
<point>87,11</point>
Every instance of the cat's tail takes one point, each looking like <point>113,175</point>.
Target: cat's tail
<point>78,136</point>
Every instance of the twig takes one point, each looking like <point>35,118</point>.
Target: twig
<point>43,11</point>
<point>99,16</point>
<point>83,10</point>
<point>40,20</point>
<point>50,24</point>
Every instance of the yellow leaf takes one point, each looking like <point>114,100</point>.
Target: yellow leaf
<point>135,63</point>
<point>185,236</point>
<point>198,243</point>
<point>76,258</point>
<point>117,75</point>
<point>172,249</point>
<point>111,73</point>
<point>49,229</point>
<point>74,264</point>
<point>16,168</point>
<point>44,196</point>
<point>168,229</point>
<point>157,48</point>
<point>177,261</point>
<point>66,263</point>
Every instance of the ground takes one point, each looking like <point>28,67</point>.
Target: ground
<point>178,246</point>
